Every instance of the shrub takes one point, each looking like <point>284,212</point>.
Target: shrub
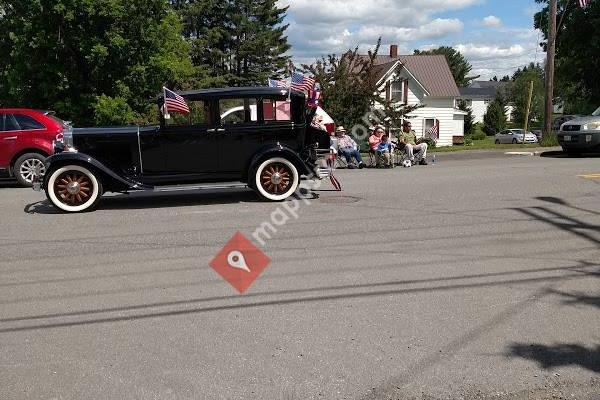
<point>478,133</point>
<point>549,140</point>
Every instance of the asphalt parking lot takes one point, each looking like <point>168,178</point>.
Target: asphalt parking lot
<point>472,278</point>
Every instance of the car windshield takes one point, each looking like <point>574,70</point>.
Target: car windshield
<point>597,112</point>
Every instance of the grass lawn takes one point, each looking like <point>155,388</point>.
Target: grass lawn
<point>485,144</point>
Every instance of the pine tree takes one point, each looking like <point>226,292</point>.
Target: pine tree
<point>240,42</point>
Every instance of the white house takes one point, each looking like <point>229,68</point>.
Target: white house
<point>478,95</point>
<point>426,80</point>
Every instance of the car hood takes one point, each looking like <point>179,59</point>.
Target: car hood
<point>583,120</point>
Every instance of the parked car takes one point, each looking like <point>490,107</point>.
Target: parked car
<point>26,138</point>
<point>515,136</point>
<point>580,134</point>
<point>537,133</point>
<point>269,151</point>
<point>558,121</point>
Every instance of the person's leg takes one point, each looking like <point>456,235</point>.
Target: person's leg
<point>409,152</point>
<point>347,155</point>
<point>388,158</point>
<point>357,156</point>
<point>423,149</point>
<point>378,158</point>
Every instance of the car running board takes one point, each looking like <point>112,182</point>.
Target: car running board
<point>204,186</point>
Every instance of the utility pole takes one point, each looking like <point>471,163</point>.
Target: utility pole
<point>550,53</point>
<point>527,111</point>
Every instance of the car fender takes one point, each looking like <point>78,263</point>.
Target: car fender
<point>83,159</point>
<point>279,151</point>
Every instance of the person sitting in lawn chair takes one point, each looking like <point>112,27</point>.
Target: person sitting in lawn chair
<point>384,153</point>
<point>348,148</point>
<point>408,143</point>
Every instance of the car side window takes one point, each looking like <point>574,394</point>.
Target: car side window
<point>10,124</point>
<point>26,123</point>
<point>200,114</point>
<point>238,111</point>
<point>274,110</point>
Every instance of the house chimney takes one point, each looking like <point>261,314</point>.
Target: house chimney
<point>394,51</point>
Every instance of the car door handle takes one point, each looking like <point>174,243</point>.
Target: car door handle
<point>211,130</point>
<point>11,138</point>
<point>220,130</point>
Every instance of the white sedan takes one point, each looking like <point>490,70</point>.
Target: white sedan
<point>515,136</point>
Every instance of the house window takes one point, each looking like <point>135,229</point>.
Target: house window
<point>428,123</point>
<point>397,90</point>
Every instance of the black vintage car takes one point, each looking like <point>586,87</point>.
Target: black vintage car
<point>257,136</point>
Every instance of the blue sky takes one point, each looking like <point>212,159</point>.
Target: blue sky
<point>496,36</point>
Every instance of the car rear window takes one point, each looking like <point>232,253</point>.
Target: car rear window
<point>26,123</point>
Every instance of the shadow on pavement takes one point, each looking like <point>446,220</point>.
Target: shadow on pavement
<point>316,294</point>
<point>563,222</point>
<point>578,298</point>
<point>558,355</point>
<point>562,154</point>
<point>9,184</point>
<point>561,202</point>
<point>149,200</point>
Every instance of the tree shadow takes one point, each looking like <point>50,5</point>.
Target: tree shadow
<point>558,355</point>
<point>561,202</point>
<point>578,298</point>
<point>10,184</point>
<point>563,222</point>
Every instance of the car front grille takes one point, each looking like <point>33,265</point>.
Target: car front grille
<point>571,128</point>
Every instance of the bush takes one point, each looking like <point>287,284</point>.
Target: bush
<point>478,133</point>
<point>549,140</point>
<point>468,141</point>
<point>112,111</point>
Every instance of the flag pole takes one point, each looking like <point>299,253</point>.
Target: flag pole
<point>165,109</point>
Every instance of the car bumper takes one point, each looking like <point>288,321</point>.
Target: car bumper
<point>4,173</point>
<point>579,140</point>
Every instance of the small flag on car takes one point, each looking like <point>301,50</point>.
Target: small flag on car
<point>274,83</point>
<point>314,99</point>
<point>174,103</point>
<point>302,83</point>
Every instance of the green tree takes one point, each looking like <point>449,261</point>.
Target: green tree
<point>577,54</point>
<point>350,90</point>
<point>460,67</point>
<point>469,119</point>
<point>239,42</point>
<point>84,57</point>
<point>494,119</point>
<point>518,93</point>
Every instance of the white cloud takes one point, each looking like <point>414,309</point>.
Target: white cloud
<point>483,52</point>
<point>491,21</point>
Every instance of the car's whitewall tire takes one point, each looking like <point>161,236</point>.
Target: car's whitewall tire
<point>276,179</point>
<point>73,188</point>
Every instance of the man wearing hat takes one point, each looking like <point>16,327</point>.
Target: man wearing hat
<point>348,148</point>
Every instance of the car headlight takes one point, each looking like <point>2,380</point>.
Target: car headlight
<point>592,126</point>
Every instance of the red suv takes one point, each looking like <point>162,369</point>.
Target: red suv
<point>26,138</point>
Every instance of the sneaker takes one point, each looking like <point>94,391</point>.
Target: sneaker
<point>361,165</point>
<point>423,162</point>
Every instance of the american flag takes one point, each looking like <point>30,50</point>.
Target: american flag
<point>274,83</point>
<point>434,131</point>
<point>584,3</point>
<point>302,83</point>
<point>174,103</point>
